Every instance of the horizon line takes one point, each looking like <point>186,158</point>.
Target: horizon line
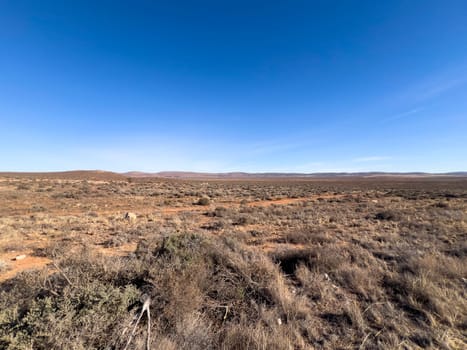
<point>286,173</point>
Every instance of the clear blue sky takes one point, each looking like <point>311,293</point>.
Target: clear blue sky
<point>299,86</point>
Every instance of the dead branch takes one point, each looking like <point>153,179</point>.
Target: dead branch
<point>145,308</point>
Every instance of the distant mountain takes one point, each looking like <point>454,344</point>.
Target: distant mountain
<point>244,175</point>
<point>457,173</point>
<point>97,175</point>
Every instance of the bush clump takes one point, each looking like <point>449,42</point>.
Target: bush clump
<point>387,215</point>
<point>204,201</point>
<point>205,292</point>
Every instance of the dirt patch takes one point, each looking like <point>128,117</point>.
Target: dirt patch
<point>13,266</point>
<point>287,201</point>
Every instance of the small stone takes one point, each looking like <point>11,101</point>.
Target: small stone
<point>279,321</point>
<point>20,257</point>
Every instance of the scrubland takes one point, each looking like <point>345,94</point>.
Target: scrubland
<point>330,264</point>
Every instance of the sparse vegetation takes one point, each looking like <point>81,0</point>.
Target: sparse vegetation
<point>287,265</point>
<point>3,266</point>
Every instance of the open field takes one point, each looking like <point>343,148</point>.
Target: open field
<point>375,263</point>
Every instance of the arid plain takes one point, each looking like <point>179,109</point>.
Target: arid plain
<point>338,263</point>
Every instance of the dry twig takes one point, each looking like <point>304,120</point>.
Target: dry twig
<point>146,305</point>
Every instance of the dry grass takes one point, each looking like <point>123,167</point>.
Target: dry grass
<point>290,265</point>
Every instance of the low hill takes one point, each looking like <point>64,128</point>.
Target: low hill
<point>244,175</point>
<point>100,175</point>
<point>97,175</point>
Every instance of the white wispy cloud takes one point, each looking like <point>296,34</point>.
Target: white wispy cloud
<point>438,88</point>
<point>370,159</point>
<point>434,85</point>
<point>403,114</point>
<point>421,92</point>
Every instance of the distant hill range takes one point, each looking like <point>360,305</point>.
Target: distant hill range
<point>96,175</point>
<point>99,175</point>
<point>243,175</point>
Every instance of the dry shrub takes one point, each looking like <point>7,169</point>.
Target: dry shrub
<point>219,212</point>
<point>3,266</point>
<point>387,215</point>
<point>115,241</point>
<point>245,336</point>
<point>327,259</point>
<point>205,293</point>
<point>438,265</point>
<point>71,309</point>
<point>358,281</point>
<point>204,201</point>
<point>308,236</point>
<point>426,302</point>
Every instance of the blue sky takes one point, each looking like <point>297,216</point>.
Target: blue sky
<point>297,86</point>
